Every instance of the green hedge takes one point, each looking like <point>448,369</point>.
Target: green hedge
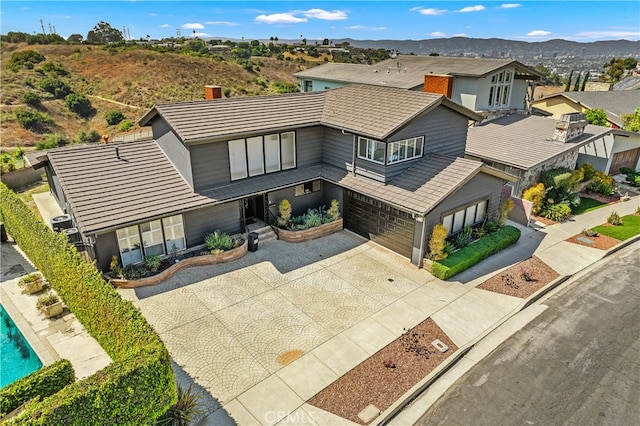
<point>42,383</point>
<point>139,385</point>
<point>468,256</point>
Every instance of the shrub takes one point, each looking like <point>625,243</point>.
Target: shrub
<point>58,88</point>
<point>184,412</point>
<point>587,172</point>
<point>43,383</point>
<point>114,117</point>
<point>153,262</point>
<point>284,208</point>
<point>505,207</point>
<point>79,104</point>
<point>465,258</point>
<point>463,239</point>
<point>31,98</point>
<point>126,125</point>
<point>614,219</point>
<point>55,68</point>
<point>53,141</point>
<point>218,241</point>
<point>334,210</point>
<point>26,58</point>
<point>139,385</point>
<point>557,212</point>
<point>32,120</point>
<point>601,183</point>
<point>88,137</point>
<point>535,194</point>
<point>437,243</point>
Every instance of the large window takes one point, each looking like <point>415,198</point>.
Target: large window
<point>261,154</point>
<point>405,150</point>
<point>371,150</point>
<point>469,216</point>
<point>157,237</point>
<point>500,89</point>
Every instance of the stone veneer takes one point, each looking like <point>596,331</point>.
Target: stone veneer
<point>311,233</point>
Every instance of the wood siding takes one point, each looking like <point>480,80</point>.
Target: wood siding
<point>445,132</point>
<point>173,149</point>
<point>210,163</point>
<point>309,141</point>
<point>337,148</point>
<point>198,223</point>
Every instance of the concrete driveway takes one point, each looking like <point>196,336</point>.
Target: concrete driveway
<point>267,332</point>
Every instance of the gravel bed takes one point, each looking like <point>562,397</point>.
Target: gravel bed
<point>601,242</point>
<point>385,376</point>
<point>513,282</point>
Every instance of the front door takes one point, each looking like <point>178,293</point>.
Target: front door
<point>254,208</point>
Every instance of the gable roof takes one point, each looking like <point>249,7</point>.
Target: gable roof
<point>370,111</point>
<point>614,103</point>
<point>104,191</point>
<point>523,141</point>
<point>408,71</point>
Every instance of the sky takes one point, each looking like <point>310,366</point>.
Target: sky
<point>524,20</point>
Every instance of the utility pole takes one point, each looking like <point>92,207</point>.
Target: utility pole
<point>42,25</point>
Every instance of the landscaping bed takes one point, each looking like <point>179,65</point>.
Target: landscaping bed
<point>387,375</point>
<point>630,227</point>
<point>601,242</point>
<point>521,280</point>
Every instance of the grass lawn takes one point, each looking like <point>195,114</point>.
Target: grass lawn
<point>586,205</point>
<point>629,228</point>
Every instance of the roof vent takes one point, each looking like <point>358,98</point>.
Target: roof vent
<point>117,153</point>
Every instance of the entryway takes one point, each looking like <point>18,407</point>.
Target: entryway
<point>254,209</point>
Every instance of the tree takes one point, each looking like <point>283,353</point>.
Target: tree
<point>325,42</point>
<point>114,117</point>
<point>104,33</point>
<point>567,87</point>
<point>75,38</point>
<point>616,68</point>
<point>584,81</point>
<point>79,104</point>
<point>632,121</point>
<point>597,117</point>
<point>576,87</point>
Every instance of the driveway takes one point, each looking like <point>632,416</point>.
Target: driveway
<point>234,327</point>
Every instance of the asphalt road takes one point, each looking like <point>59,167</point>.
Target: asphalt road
<point>578,363</point>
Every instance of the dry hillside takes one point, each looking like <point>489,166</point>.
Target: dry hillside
<point>129,80</point>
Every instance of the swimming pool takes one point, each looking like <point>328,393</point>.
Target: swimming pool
<point>18,359</point>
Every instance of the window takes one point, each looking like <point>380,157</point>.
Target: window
<point>174,233</point>
<point>152,239</point>
<point>405,150</point>
<point>129,243</point>
<point>469,216</point>
<point>261,154</point>
<point>499,91</point>
<point>308,86</point>
<point>308,187</point>
<point>370,149</point>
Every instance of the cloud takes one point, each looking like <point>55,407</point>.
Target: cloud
<point>199,34</point>
<point>438,34</point>
<point>325,15</point>
<point>224,23</point>
<point>460,35</point>
<point>280,18</point>
<point>153,14</point>
<point>193,26</point>
<point>538,33</point>
<point>429,11</point>
<point>165,26</point>
<point>362,27</point>
<point>609,34</point>
<point>509,6</point>
<point>477,8</point>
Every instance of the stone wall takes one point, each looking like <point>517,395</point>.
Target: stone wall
<point>531,176</point>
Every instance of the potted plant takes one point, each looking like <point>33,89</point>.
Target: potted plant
<point>31,283</point>
<point>50,304</point>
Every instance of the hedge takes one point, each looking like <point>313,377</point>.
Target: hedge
<point>42,383</point>
<point>139,386</point>
<point>468,256</point>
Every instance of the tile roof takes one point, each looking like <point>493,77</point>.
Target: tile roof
<point>408,71</point>
<point>371,111</point>
<point>104,191</point>
<point>523,141</point>
<point>614,103</point>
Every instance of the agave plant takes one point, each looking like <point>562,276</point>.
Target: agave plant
<point>184,411</point>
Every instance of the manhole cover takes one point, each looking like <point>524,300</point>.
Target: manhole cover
<point>289,356</point>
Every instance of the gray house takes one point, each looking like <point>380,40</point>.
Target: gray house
<point>488,86</point>
<point>392,158</point>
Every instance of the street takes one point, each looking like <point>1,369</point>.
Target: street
<point>577,363</point>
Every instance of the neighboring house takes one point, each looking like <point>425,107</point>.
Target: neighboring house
<point>525,145</point>
<point>614,103</point>
<point>487,86</point>
<point>392,158</point>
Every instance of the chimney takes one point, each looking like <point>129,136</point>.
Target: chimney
<point>569,127</point>
<point>212,92</point>
<point>438,83</point>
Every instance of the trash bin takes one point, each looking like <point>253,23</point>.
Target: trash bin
<point>253,241</point>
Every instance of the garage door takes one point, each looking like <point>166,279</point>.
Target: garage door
<point>381,223</point>
<point>627,158</point>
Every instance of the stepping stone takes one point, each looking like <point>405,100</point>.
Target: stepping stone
<point>439,345</point>
<point>585,240</point>
<point>369,413</point>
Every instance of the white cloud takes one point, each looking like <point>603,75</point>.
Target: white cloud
<point>538,33</point>
<point>429,11</point>
<point>334,15</point>
<point>609,34</point>
<point>199,34</point>
<point>460,35</point>
<point>362,27</point>
<point>165,26</point>
<point>153,14</point>
<point>477,8</point>
<point>280,18</point>
<point>193,26</point>
<point>224,23</point>
<point>509,6</point>
<point>438,34</point>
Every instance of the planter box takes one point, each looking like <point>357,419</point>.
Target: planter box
<point>311,233</point>
<point>52,310</point>
<point>209,259</point>
<point>31,287</point>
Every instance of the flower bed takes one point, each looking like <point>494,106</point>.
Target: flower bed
<point>311,233</point>
<point>202,260</point>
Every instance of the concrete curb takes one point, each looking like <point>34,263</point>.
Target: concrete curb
<point>450,362</point>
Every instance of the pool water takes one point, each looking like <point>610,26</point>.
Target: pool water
<point>18,359</point>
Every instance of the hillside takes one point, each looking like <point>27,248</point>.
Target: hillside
<point>130,80</point>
